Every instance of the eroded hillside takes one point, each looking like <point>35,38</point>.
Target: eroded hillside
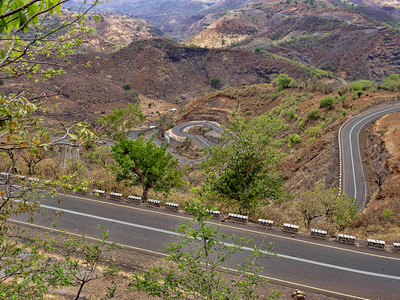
<point>353,41</point>
<point>160,70</point>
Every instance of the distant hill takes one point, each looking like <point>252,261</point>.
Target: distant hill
<point>353,41</point>
<point>173,17</point>
<point>159,69</point>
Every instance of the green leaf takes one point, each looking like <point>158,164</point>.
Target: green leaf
<point>2,53</point>
<point>58,9</point>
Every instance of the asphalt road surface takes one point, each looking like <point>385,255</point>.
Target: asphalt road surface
<point>327,267</point>
<point>354,181</point>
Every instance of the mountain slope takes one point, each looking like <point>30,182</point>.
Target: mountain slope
<point>348,40</point>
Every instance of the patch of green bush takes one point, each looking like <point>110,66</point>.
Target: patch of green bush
<point>392,83</point>
<point>327,102</point>
<point>313,114</point>
<point>127,86</point>
<point>361,85</point>
<point>132,93</point>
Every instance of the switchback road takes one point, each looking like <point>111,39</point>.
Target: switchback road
<point>326,267</point>
<point>353,176</point>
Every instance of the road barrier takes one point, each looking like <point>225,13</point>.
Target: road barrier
<point>318,233</point>
<point>214,213</point>
<point>290,228</point>
<point>135,199</point>
<point>238,218</point>
<point>376,244</point>
<point>152,202</point>
<point>346,239</point>
<point>115,196</point>
<point>4,175</point>
<point>396,247</point>
<point>266,223</point>
<point>171,206</point>
<point>19,178</point>
<point>99,193</point>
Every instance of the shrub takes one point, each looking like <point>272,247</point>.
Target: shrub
<point>294,138</point>
<point>215,82</point>
<point>290,113</point>
<point>283,81</point>
<point>392,83</point>
<point>361,85</point>
<point>388,213</point>
<point>127,86</point>
<point>132,93</point>
<point>327,102</point>
<point>313,114</point>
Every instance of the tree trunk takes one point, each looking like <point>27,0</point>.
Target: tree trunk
<point>145,193</point>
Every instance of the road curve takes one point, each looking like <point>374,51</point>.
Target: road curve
<point>352,177</point>
<point>179,130</point>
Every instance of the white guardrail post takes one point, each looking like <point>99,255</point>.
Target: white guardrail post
<point>99,193</point>
<point>346,239</point>
<point>376,244</point>
<point>115,196</point>
<point>135,199</point>
<point>238,218</point>
<point>171,206</point>
<point>290,228</point>
<point>318,233</point>
<point>153,203</point>
<point>266,223</point>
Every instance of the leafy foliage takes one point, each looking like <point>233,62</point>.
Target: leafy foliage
<point>242,170</point>
<point>392,83</point>
<point>327,102</point>
<point>120,122</point>
<point>141,162</point>
<point>197,268</point>
<point>27,41</point>
<point>215,82</point>
<point>361,85</point>
<point>283,81</point>
<point>329,204</point>
<point>28,273</point>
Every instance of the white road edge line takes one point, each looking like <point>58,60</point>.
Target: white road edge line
<point>244,248</point>
<point>384,111</point>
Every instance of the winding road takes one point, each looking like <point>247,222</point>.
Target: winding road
<point>179,130</point>
<point>352,177</point>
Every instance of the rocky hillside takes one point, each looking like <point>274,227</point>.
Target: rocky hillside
<point>353,41</point>
<point>112,31</point>
<point>174,17</point>
<point>158,69</point>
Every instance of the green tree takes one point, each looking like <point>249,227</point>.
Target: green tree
<point>283,81</point>
<point>140,162</point>
<point>243,169</point>
<point>197,263</point>
<point>120,122</point>
<point>392,82</point>
<point>361,85</point>
<point>329,204</point>
<point>215,82</point>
